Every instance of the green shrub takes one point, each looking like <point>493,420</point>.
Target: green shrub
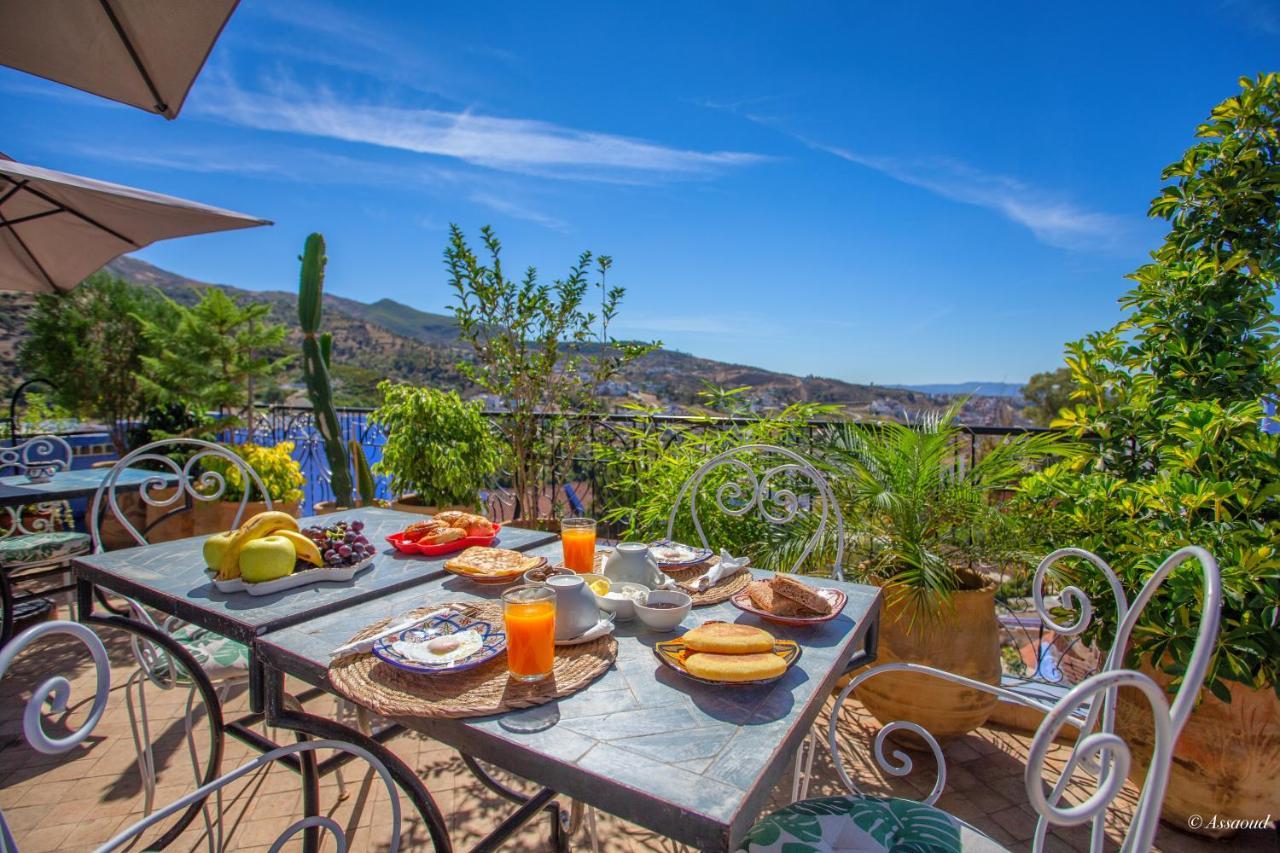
<point>280,472</point>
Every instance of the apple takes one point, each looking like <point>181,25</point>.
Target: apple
<point>214,547</point>
<point>266,559</point>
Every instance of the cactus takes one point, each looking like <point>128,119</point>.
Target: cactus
<point>364,475</point>
<point>315,369</point>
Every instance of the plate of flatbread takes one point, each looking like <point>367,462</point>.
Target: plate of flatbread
<point>789,601</point>
<point>492,565</point>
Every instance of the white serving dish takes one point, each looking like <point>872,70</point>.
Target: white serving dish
<point>623,609</point>
<point>310,576</point>
<point>663,619</point>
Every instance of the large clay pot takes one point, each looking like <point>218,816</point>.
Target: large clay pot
<point>962,638</point>
<point>166,523</point>
<point>411,503</point>
<point>220,516</point>
<point>1226,761</point>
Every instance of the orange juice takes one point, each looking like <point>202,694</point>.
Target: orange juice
<point>530,616</point>
<point>578,537</point>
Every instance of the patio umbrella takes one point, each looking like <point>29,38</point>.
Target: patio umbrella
<point>56,228</point>
<point>140,52</point>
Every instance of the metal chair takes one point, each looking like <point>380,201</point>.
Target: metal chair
<point>1100,757</point>
<point>56,691</point>
<point>37,541</point>
<point>224,662</point>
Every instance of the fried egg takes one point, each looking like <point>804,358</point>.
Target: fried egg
<point>440,650</point>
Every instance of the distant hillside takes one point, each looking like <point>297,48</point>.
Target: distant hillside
<point>986,389</point>
<point>387,339</point>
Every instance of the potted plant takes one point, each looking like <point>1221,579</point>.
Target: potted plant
<point>931,532</point>
<point>281,475</point>
<point>440,450</point>
<point>1182,452</point>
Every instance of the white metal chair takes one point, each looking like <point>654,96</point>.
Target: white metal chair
<point>1100,758</point>
<point>224,662</point>
<point>56,692</point>
<point>37,540</point>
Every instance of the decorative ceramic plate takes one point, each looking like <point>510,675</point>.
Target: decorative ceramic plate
<point>834,597</point>
<point>670,554</point>
<point>298,578</point>
<point>673,653</point>
<point>408,546</point>
<point>449,643</point>
<point>495,579</point>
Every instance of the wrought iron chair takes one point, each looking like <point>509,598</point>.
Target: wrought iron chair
<point>224,662</point>
<point>782,488</point>
<point>37,541</point>
<point>56,691</point>
<point>1100,758</point>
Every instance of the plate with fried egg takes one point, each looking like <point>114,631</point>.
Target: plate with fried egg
<point>448,643</point>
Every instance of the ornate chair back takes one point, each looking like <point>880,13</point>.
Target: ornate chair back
<point>172,482</point>
<point>1100,758</point>
<point>39,458</point>
<point>778,485</point>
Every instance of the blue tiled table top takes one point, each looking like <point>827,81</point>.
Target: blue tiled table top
<point>68,485</point>
<point>171,577</point>
<point>693,762</point>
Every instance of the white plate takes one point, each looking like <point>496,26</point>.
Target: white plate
<point>310,576</point>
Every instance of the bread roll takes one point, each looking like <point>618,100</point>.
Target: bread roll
<point>728,638</point>
<point>752,667</point>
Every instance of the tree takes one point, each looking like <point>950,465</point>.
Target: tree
<point>214,353</point>
<point>89,343</point>
<point>1170,402</point>
<point>537,348</point>
<point>1047,394</point>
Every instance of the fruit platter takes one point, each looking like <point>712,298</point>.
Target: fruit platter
<point>445,533</point>
<point>269,554</point>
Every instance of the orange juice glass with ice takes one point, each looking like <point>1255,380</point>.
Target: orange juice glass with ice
<point>529,612</point>
<point>578,536</point>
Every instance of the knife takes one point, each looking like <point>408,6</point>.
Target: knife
<point>366,645</point>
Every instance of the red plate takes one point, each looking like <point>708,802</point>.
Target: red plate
<point>397,541</point>
<point>742,601</point>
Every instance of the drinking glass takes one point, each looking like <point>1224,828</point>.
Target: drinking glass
<point>578,536</point>
<point>530,614</point>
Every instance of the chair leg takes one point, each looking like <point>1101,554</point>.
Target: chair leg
<point>804,766</point>
<point>141,731</point>
<point>209,823</point>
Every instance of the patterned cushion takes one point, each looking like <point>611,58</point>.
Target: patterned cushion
<point>41,548</point>
<point>219,657</point>
<point>851,823</point>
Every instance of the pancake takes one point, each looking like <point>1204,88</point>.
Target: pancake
<point>749,667</point>
<point>728,638</point>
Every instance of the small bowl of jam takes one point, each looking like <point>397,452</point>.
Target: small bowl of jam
<point>664,609</point>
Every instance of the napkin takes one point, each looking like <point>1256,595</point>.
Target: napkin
<point>365,646</point>
<point>726,568</point>
<point>595,632</point>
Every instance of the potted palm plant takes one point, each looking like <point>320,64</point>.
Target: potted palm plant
<point>933,536</point>
<point>440,450</point>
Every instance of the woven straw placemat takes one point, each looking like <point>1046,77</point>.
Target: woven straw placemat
<point>478,692</point>
<point>723,591</point>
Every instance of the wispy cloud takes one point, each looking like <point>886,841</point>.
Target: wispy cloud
<point>1260,16</point>
<point>507,207</point>
<point>518,145</point>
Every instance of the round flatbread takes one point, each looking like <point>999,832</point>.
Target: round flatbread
<point>728,638</point>
<point>752,667</point>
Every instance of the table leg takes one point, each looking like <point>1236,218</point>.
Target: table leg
<point>560,819</point>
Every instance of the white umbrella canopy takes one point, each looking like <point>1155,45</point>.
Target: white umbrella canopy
<point>145,53</point>
<point>56,229</point>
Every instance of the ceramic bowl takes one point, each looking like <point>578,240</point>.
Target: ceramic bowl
<point>539,575</point>
<point>664,619</point>
<point>623,609</point>
<point>595,577</point>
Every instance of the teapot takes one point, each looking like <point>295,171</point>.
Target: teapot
<point>630,562</point>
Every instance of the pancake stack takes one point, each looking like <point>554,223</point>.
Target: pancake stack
<point>723,651</point>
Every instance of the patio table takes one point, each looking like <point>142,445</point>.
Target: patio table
<point>15,490</point>
<point>688,760</point>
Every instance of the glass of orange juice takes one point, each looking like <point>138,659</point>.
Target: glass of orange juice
<point>578,536</point>
<point>530,615</point>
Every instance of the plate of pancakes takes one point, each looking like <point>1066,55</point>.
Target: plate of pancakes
<point>788,600</point>
<point>492,565</point>
<point>726,653</point>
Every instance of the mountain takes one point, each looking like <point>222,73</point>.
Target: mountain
<point>387,339</point>
<point>985,389</point>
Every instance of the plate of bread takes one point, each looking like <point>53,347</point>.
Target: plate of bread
<point>444,533</point>
<point>788,600</point>
<point>722,653</point>
<point>492,565</point>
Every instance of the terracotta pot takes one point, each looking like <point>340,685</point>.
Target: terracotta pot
<point>1226,761</point>
<point>962,638</point>
<point>546,525</point>
<point>179,525</point>
<point>411,503</point>
<point>219,516</point>
<point>329,507</point>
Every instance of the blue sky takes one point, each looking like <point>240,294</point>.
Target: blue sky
<point>894,193</point>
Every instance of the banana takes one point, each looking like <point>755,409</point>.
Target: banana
<point>262,524</point>
<point>303,547</point>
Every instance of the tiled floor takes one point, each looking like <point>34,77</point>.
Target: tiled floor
<point>78,800</point>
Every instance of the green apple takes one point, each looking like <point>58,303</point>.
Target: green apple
<point>266,559</point>
<point>214,547</point>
